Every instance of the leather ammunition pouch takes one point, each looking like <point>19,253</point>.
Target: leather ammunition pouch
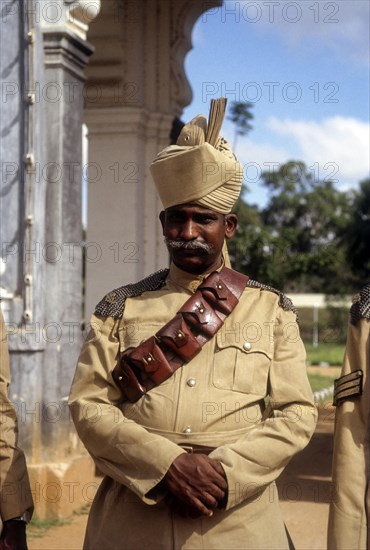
<point>182,338</point>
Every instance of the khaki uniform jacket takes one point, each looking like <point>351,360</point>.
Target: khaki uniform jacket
<point>216,400</point>
<point>350,507</point>
<point>15,491</point>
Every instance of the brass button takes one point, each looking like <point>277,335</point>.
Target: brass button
<point>187,430</point>
<point>247,346</point>
<point>191,382</point>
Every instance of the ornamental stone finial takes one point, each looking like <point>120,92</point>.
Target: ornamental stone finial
<point>75,15</point>
<point>81,13</point>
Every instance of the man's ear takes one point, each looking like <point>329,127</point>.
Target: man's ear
<point>162,218</point>
<point>231,222</point>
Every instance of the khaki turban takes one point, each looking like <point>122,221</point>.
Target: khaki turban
<point>200,168</point>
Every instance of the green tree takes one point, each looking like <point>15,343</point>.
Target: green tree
<point>296,242</point>
<point>357,235</point>
<point>246,239</point>
<point>240,115</point>
<point>309,217</point>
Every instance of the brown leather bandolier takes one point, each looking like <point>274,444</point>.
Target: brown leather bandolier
<point>182,338</point>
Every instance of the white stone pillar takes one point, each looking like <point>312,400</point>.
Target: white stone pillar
<point>66,54</point>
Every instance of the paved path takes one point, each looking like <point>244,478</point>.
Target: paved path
<point>305,487</point>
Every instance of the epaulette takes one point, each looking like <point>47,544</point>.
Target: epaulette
<point>285,302</point>
<point>113,303</point>
<point>361,305</point>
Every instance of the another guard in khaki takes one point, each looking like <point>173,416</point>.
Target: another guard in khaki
<point>16,504</point>
<point>349,510</point>
<point>244,399</point>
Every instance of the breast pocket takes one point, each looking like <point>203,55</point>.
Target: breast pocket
<point>241,366</point>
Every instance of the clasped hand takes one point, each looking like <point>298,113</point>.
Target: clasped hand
<point>197,485</point>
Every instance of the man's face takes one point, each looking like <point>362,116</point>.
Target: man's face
<point>195,235</point>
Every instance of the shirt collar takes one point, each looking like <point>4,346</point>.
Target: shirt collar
<point>188,281</point>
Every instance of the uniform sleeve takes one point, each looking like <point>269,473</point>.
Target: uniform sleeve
<point>348,512</point>
<point>15,491</point>
<point>120,447</point>
<point>259,457</point>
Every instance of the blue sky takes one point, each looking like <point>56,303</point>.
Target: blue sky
<point>305,67</point>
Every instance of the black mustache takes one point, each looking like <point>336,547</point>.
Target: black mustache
<point>179,244</point>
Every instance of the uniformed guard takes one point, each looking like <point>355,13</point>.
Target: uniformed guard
<point>350,505</point>
<point>16,504</point>
<point>191,392</point>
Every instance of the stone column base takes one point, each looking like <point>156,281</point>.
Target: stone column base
<point>61,488</point>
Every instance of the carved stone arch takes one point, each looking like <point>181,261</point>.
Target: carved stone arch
<point>185,15</point>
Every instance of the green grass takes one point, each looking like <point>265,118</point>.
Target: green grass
<point>38,527</point>
<point>319,382</point>
<point>84,511</point>
<point>330,353</point>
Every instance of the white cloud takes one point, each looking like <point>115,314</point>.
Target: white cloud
<point>338,146</point>
<point>341,26</point>
<point>261,154</point>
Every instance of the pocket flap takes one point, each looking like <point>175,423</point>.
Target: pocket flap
<point>177,336</point>
<point>147,356</point>
<point>255,343</point>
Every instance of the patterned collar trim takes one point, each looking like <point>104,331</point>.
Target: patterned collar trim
<point>361,305</point>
